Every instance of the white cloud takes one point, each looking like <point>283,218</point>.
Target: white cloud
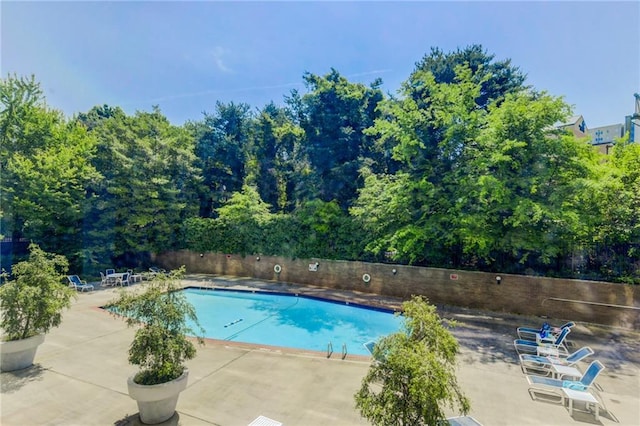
<point>218,53</point>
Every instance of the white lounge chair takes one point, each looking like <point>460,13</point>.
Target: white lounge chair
<point>555,346</point>
<point>528,333</point>
<point>154,271</point>
<point>572,390</point>
<point>78,284</point>
<point>536,364</point>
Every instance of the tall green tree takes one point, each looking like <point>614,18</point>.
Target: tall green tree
<point>613,249</point>
<point>383,210</point>
<point>496,78</point>
<point>432,140</point>
<point>150,187</point>
<point>325,230</point>
<point>96,115</point>
<point>46,168</point>
<point>271,167</point>
<point>431,131</point>
<point>412,379</point>
<point>524,187</point>
<point>242,219</point>
<point>22,125</point>
<point>334,114</point>
<point>222,143</point>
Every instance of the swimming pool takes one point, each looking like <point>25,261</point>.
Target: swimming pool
<point>292,321</point>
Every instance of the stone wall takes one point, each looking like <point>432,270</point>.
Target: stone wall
<point>586,301</point>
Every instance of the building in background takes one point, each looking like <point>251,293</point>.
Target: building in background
<point>576,125</point>
<point>604,137</point>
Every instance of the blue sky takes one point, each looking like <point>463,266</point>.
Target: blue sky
<point>185,56</point>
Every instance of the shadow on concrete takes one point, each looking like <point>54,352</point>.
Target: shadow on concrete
<point>134,420</point>
<point>13,381</point>
<point>490,336</point>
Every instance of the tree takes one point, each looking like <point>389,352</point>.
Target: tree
<point>524,187</point>
<point>382,209</point>
<point>271,165</point>
<point>46,168</point>
<point>149,187</point>
<point>496,78</point>
<point>412,379</point>
<point>326,231</point>
<point>241,219</point>
<point>22,101</point>
<point>334,115</point>
<point>614,200</point>
<point>96,115</point>
<point>432,139</point>
<point>222,141</point>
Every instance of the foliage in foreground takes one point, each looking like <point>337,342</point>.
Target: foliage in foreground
<point>160,345</point>
<point>33,300</point>
<point>413,380</point>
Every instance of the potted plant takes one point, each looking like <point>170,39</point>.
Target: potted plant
<point>160,345</point>
<point>31,303</point>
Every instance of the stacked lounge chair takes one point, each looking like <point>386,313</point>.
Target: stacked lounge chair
<point>537,364</point>
<point>528,333</point>
<point>552,372</point>
<point>549,345</point>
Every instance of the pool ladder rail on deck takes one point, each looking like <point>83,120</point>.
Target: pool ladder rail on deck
<point>330,350</point>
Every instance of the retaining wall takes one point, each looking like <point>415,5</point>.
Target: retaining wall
<point>578,300</point>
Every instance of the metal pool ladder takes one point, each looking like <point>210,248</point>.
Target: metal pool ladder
<point>330,350</point>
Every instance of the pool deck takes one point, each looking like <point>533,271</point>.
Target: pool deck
<point>80,373</point>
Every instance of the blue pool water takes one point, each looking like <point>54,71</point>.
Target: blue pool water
<point>289,321</point>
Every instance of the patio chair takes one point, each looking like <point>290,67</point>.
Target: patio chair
<point>110,271</point>
<point>535,364</point>
<point>556,346</point>
<point>134,277</point>
<point>125,280</point>
<point>78,284</point>
<point>548,387</point>
<point>153,271</point>
<point>108,280</point>
<point>528,333</point>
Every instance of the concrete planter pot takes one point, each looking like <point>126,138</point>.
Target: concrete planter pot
<point>19,354</point>
<point>157,403</point>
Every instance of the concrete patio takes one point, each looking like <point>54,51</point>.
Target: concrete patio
<point>80,373</point>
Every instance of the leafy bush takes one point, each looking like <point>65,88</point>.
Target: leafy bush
<point>160,345</point>
<point>32,301</point>
<point>413,378</point>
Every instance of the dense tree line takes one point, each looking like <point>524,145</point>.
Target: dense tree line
<point>463,167</point>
